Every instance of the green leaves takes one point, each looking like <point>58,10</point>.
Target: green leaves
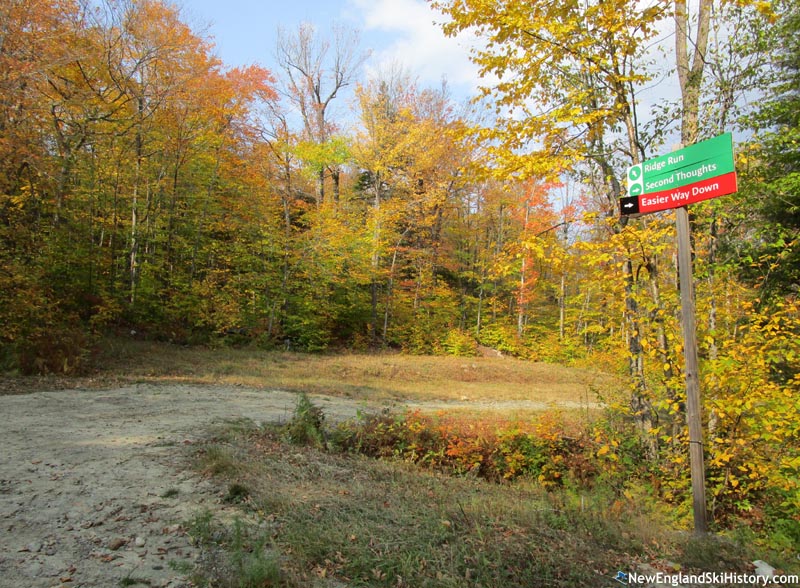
<point>319,156</point>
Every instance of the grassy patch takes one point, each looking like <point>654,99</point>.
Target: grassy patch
<point>361,522</point>
<point>370,376</point>
<point>131,581</point>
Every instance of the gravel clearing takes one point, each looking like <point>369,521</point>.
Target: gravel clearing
<point>94,485</point>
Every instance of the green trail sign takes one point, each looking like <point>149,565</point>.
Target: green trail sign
<point>699,172</point>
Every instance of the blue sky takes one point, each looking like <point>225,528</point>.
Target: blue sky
<point>396,31</point>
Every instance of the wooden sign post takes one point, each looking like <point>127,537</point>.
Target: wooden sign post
<point>692,174</point>
<point>693,405</point>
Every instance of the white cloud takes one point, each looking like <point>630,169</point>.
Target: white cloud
<point>413,37</point>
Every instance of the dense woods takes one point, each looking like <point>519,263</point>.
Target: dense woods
<point>147,188</point>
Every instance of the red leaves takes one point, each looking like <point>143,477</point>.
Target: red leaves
<point>496,450</point>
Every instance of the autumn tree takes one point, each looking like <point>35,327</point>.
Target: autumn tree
<point>29,51</point>
<point>317,70</point>
<point>772,164</point>
<point>380,153</point>
<point>409,162</point>
<point>133,145</point>
<point>756,317</point>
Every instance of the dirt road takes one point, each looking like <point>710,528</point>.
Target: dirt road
<point>94,484</point>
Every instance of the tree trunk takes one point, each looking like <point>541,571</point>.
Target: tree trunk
<point>521,299</point>
<point>335,178</point>
<point>562,305</point>
<point>640,403</point>
<point>690,73</point>
<point>375,260</point>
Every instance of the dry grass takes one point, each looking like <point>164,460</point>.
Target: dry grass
<point>346,520</point>
<point>378,377</point>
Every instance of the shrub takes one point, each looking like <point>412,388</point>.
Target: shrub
<point>306,426</point>
<point>504,338</point>
<point>549,450</point>
<point>61,348</point>
<point>460,343</point>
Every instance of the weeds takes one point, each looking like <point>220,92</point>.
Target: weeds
<point>218,460</point>
<point>237,493</point>
<point>387,523</point>
<point>554,450</point>
<point>253,563</point>
<point>200,528</point>
<point>171,493</point>
<point>181,566</point>
<point>306,426</point>
<point>235,556</point>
